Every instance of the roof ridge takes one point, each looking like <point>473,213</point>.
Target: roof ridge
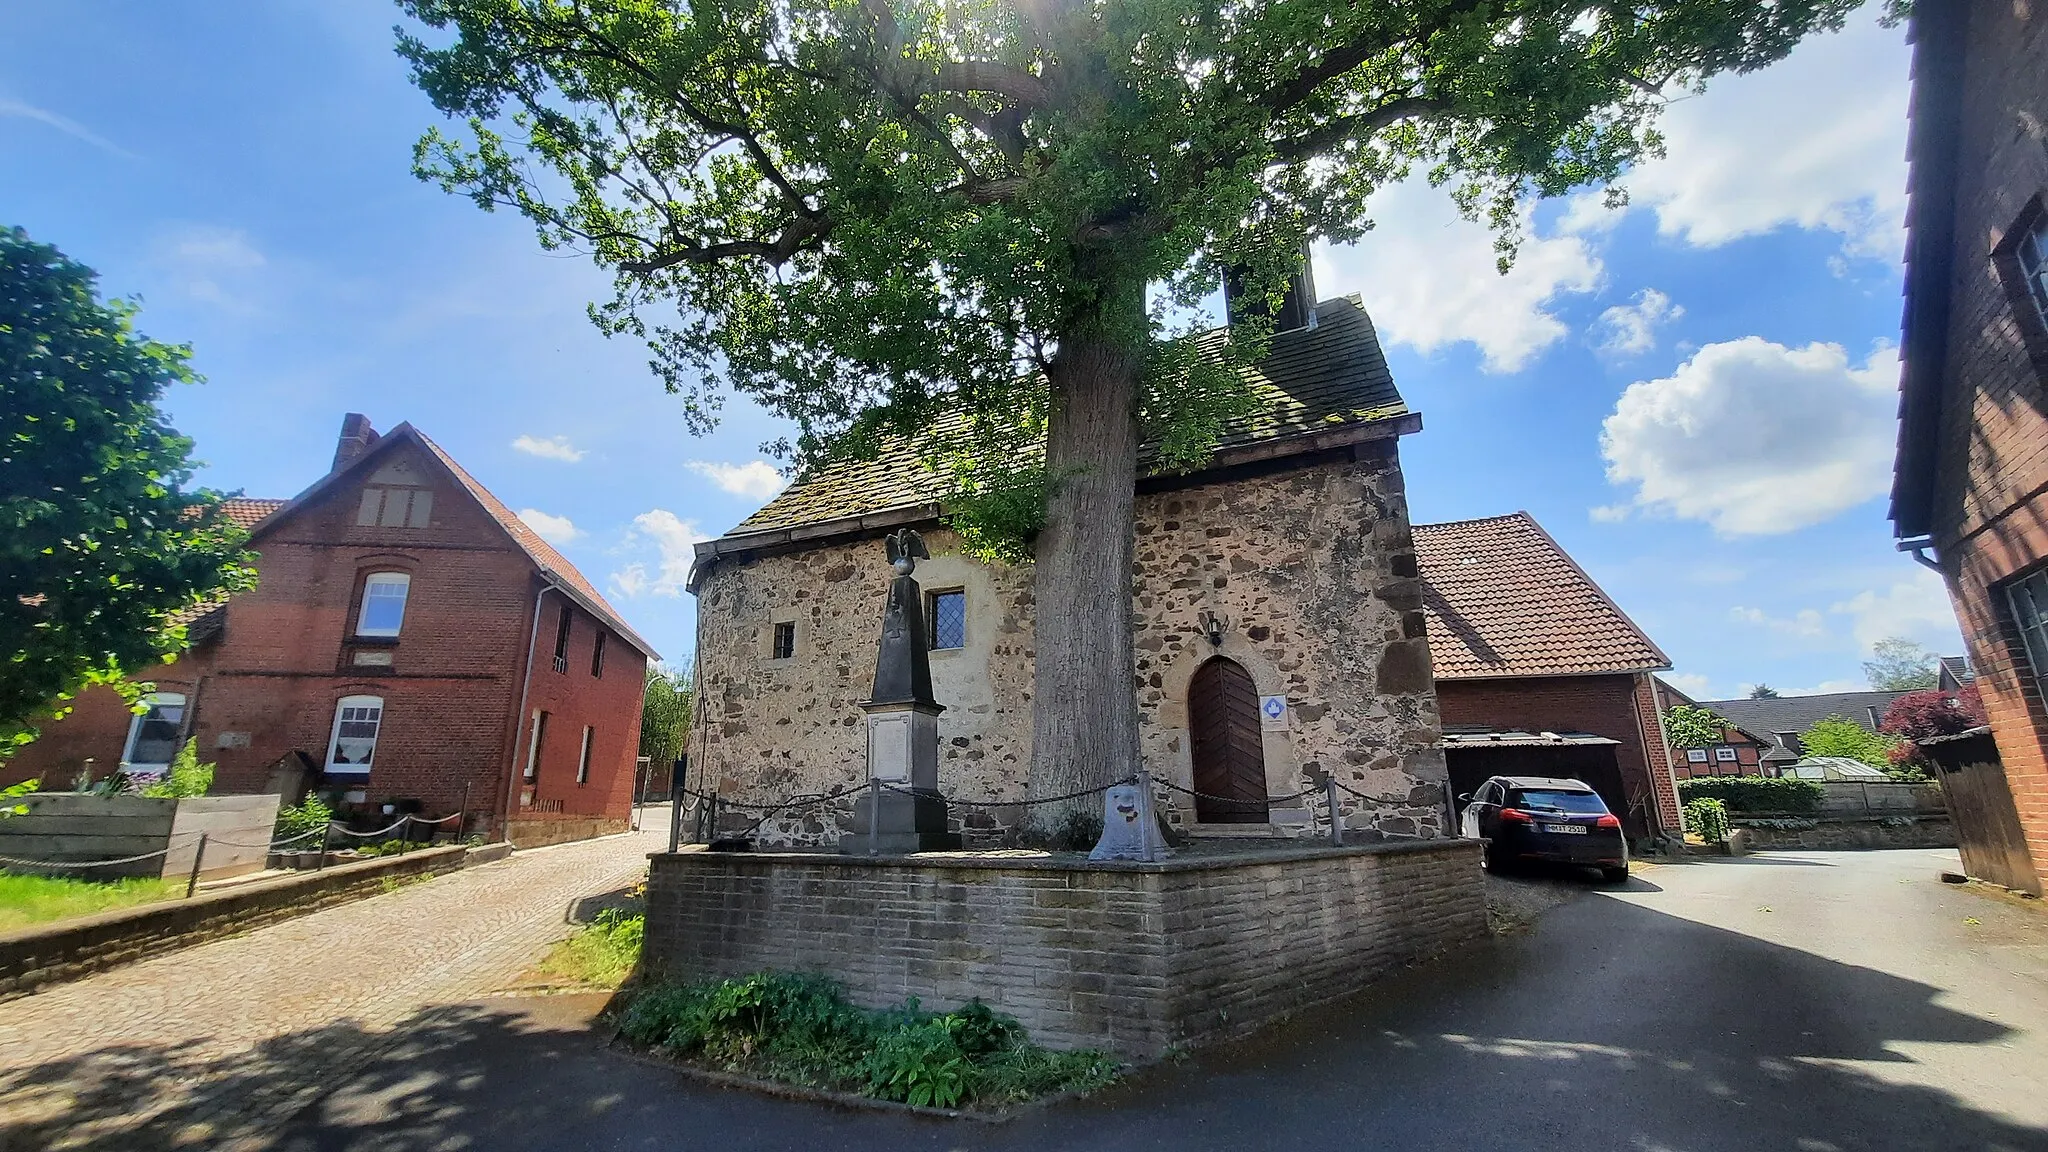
<point>1515,515</point>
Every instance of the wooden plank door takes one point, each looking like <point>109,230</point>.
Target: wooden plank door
<point>1229,752</point>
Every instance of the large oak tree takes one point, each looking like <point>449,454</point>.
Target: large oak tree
<point>944,219</point>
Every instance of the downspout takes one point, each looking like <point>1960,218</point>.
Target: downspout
<point>519,717</point>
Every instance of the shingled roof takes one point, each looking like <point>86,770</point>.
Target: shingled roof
<point>248,510</point>
<point>1502,599</point>
<point>1312,380</point>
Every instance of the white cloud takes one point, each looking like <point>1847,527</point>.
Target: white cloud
<point>673,540</point>
<point>552,448</point>
<point>553,529</point>
<point>214,264</point>
<point>1756,438</point>
<point>1608,513</point>
<point>1806,623</point>
<point>1817,141</point>
<point>22,110</point>
<point>1428,277</point>
<point>1917,608</point>
<point>1691,683</point>
<point>1630,329</point>
<point>756,479</point>
<point>1824,688</point>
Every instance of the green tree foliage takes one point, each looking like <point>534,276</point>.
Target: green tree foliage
<point>1707,818</point>
<point>899,217</point>
<point>1840,736</point>
<point>1897,664</point>
<point>665,715</point>
<point>1691,726</point>
<point>100,542</point>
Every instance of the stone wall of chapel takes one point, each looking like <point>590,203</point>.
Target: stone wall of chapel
<point>1313,569</point>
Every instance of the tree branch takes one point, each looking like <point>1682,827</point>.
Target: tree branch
<point>1321,139</point>
<point>801,234</point>
<point>1343,58</point>
<point>1020,88</point>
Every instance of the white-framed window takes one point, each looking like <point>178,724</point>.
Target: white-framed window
<point>540,729</point>
<point>1724,755</point>
<point>353,745</point>
<point>2031,254</point>
<point>1696,755</point>
<point>583,757</point>
<point>383,610</point>
<point>153,735</point>
<point>2029,599</point>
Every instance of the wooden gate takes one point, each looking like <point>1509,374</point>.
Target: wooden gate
<point>1228,748</point>
<point>1979,800</point>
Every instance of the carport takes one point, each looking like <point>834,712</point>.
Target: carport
<point>1474,754</point>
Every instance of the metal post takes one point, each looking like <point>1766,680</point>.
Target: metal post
<point>675,812</point>
<point>404,833</point>
<point>192,881</point>
<point>874,815</point>
<point>1336,818</point>
<point>326,838</point>
<point>462,813</point>
<point>642,768</point>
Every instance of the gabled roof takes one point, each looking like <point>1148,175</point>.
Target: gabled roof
<point>248,510</point>
<point>1502,599</point>
<point>1312,380</point>
<point>554,567</point>
<point>1774,714</point>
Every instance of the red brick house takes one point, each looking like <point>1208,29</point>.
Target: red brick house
<point>410,642</point>
<point>1735,751</point>
<point>1538,672</point>
<point>1970,485</point>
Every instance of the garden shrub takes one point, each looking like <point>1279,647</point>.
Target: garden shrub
<point>1707,818</point>
<point>185,777</point>
<point>299,819</point>
<point>802,1030</point>
<point>1755,793</point>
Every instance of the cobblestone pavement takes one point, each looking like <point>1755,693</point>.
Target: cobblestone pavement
<point>208,1046</point>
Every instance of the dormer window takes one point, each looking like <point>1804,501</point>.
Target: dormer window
<point>383,610</point>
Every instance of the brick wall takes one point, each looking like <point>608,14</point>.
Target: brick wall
<point>1621,707</point>
<point>1132,958</point>
<point>1991,507</point>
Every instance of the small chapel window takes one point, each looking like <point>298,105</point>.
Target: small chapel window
<point>947,612</point>
<point>785,640</point>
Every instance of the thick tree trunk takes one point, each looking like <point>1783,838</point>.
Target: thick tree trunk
<point>1084,716</point>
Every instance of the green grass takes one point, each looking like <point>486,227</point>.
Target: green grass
<point>601,953</point>
<point>26,900</point>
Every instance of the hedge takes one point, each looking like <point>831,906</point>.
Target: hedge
<point>1755,793</point>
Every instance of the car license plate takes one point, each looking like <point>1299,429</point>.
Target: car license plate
<point>1567,829</point>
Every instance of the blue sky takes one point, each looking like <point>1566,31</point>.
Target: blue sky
<point>1694,396</point>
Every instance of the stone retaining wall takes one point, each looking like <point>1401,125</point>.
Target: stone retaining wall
<point>66,950</point>
<point>1829,833</point>
<point>1129,957</point>
<point>539,832</point>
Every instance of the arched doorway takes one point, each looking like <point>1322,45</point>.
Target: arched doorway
<point>1229,752</point>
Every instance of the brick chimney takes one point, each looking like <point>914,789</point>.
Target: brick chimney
<point>356,438</point>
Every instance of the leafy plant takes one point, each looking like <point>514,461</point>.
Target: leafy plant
<point>185,776</point>
<point>1707,818</point>
<point>1691,726</point>
<point>1756,793</point>
<point>665,713</point>
<point>1841,736</point>
<point>802,1030</point>
<point>15,792</point>
<point>1921,715</point>
<point>295,820</point>
<point>1897,664</point>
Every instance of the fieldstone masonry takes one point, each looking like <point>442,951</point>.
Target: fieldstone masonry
<point>1310,562</point>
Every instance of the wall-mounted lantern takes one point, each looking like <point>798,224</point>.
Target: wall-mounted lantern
<point>1214,624</point>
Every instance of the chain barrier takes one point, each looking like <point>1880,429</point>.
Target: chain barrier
<point>1356,794</point>
<point>164,851</point>
<point>958,803</point>
<point>1238,801</point>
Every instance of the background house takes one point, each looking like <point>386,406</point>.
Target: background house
<point>409,642</point>
<point>1970,485</point>
<point>1276,585</point>
<point>1734,750</point>
<point>1763,733</point>
<point>1538,672</point>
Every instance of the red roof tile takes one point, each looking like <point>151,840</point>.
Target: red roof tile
<point>247,510</point>
<point>1502,599</point>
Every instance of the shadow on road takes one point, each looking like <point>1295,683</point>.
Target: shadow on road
<point>1613,1026</point>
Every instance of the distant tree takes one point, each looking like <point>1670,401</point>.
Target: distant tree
<point>870,214</point>
<point>1919,715</point>
<point>665,716</point>
<point>1691,726</point>
<point>1897,664</point>
<point>100,541</point>
<point>1763,692</point>
<point>1840,736</point>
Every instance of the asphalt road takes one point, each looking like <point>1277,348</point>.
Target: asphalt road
<point>1824,1002</point>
